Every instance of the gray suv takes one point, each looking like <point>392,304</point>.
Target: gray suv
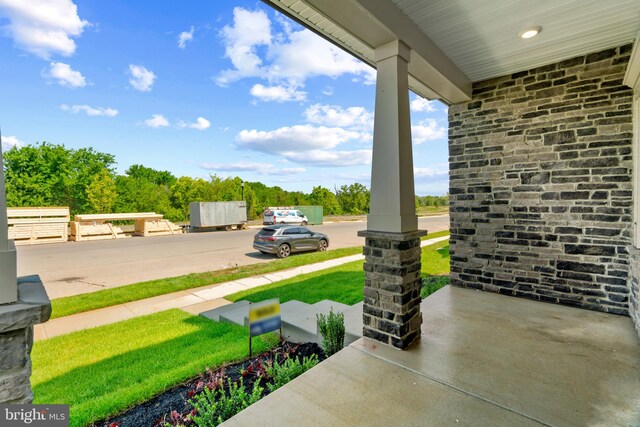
<point>283,240</point>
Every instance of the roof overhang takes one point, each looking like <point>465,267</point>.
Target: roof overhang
<point>632,76</point>
<point>456,42</point>
<point>360,26</point>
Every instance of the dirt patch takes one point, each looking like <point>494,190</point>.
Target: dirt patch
<point>174,403</point>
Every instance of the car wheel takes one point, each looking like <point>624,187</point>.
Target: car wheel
<point>284,251</point>
<point>227,228</point>
<point>281,222</point>
<point>323,245</point>
<point>303,223</point>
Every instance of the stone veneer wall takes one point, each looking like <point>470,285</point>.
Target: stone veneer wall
<point>634,285</point>
<point>541,184</point>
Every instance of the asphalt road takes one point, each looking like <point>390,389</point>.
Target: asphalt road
<point>79,267</point>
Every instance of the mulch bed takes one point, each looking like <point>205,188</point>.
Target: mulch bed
<point>176,400</point>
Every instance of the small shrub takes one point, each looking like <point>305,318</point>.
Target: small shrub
<point>214,406</point>
<point>430,284</point>
<point>291,368</point>
<point>331,328</point>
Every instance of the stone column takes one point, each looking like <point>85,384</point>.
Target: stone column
<point>391,311</point>
<point>23,303</point>
<point>8,269</point>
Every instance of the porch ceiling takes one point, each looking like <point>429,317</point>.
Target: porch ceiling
<point>456,42</point>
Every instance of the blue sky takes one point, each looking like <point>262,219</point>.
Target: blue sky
<point>199,88</point>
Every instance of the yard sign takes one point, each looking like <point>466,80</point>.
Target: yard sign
<point>264,317</point>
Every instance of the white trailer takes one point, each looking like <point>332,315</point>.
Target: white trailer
<point>218,215</point>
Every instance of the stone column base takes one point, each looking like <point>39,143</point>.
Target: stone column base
<point>391,311</point>
<point>16,338</point>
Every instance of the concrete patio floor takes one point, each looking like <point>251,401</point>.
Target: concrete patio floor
<point>483,359</point>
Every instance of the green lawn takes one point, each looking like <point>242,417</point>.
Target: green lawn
<point>103,371</point>
<point>435,259</point>
<point>343,283</point>
<point>432,210</point>
<point>436,234</point>
<point>137,291</point>
<point>120,295</point>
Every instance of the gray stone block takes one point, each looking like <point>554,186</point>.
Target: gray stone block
<point>556,209</point>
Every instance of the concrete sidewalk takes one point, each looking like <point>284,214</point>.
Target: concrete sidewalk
<point>194,300</point>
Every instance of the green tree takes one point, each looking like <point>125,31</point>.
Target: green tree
<point>51,175</point>
<point>101,193</point>
<point>151,175</point>
<point>144,189</point>
<point>353,199</point>
<point>324,197</point>
<point>187,190</point>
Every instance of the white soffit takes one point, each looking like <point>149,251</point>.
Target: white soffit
<point>478,37</point>
<point>481,36</point>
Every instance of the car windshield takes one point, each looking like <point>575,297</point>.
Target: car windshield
<point>267,232</point>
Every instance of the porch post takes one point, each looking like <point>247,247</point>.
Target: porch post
<point>23,303</point>
<point>391,311</point>
<point>8,266</point>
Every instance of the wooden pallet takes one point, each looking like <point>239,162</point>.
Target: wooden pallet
<point>98,226</point>
<point>83,231</point>
<point>36,225</point>
<point>151,227</point>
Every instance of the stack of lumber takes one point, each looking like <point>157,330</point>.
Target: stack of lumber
<point>156,227</point>
<point>98,226</point>
<point>36,225</point>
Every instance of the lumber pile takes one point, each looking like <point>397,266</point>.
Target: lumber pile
<point>159,227</point>
<point>98,226</point>
<point>35,225</point>
<point>88,230</point>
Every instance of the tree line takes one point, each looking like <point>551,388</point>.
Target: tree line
<point>85,180</point>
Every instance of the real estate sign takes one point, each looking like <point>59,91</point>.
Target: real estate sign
<point>264,317</point>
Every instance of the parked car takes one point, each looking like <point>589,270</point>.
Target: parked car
<point>284,216</point>
<point>283,240</point>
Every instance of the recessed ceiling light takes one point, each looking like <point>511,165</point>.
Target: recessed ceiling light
<point>527,33</point>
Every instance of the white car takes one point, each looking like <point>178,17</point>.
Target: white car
<point>284,216</point>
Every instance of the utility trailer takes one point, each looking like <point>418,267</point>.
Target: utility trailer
<point>218,216</point>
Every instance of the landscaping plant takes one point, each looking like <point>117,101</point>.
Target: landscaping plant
<point>430,284</point>
<point>331,328</point>
<point>282,373</point>
<point>214,406</point>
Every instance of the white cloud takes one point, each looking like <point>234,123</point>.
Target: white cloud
<point>284,59</point>
<point>332,115</point>
<point>435,171</point>
<point>157,121</point>
<point>421,105</point>
<point>277,93</point>
<point>236,167</point>
<point>200,124</point>
<point>328,91</point>
<point>141,78</point>
<point>249,30</point>
<point>427,130</point>
<point>185,37</point>
<point>330,158</point>
<point>43,27</point>
<point>294,138</point>
<point>260,168</point>
<point>9,141</point>
<point>90,111</point>
<point>306,144</point>
<point>65,75</point>
<point>304,54</point>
